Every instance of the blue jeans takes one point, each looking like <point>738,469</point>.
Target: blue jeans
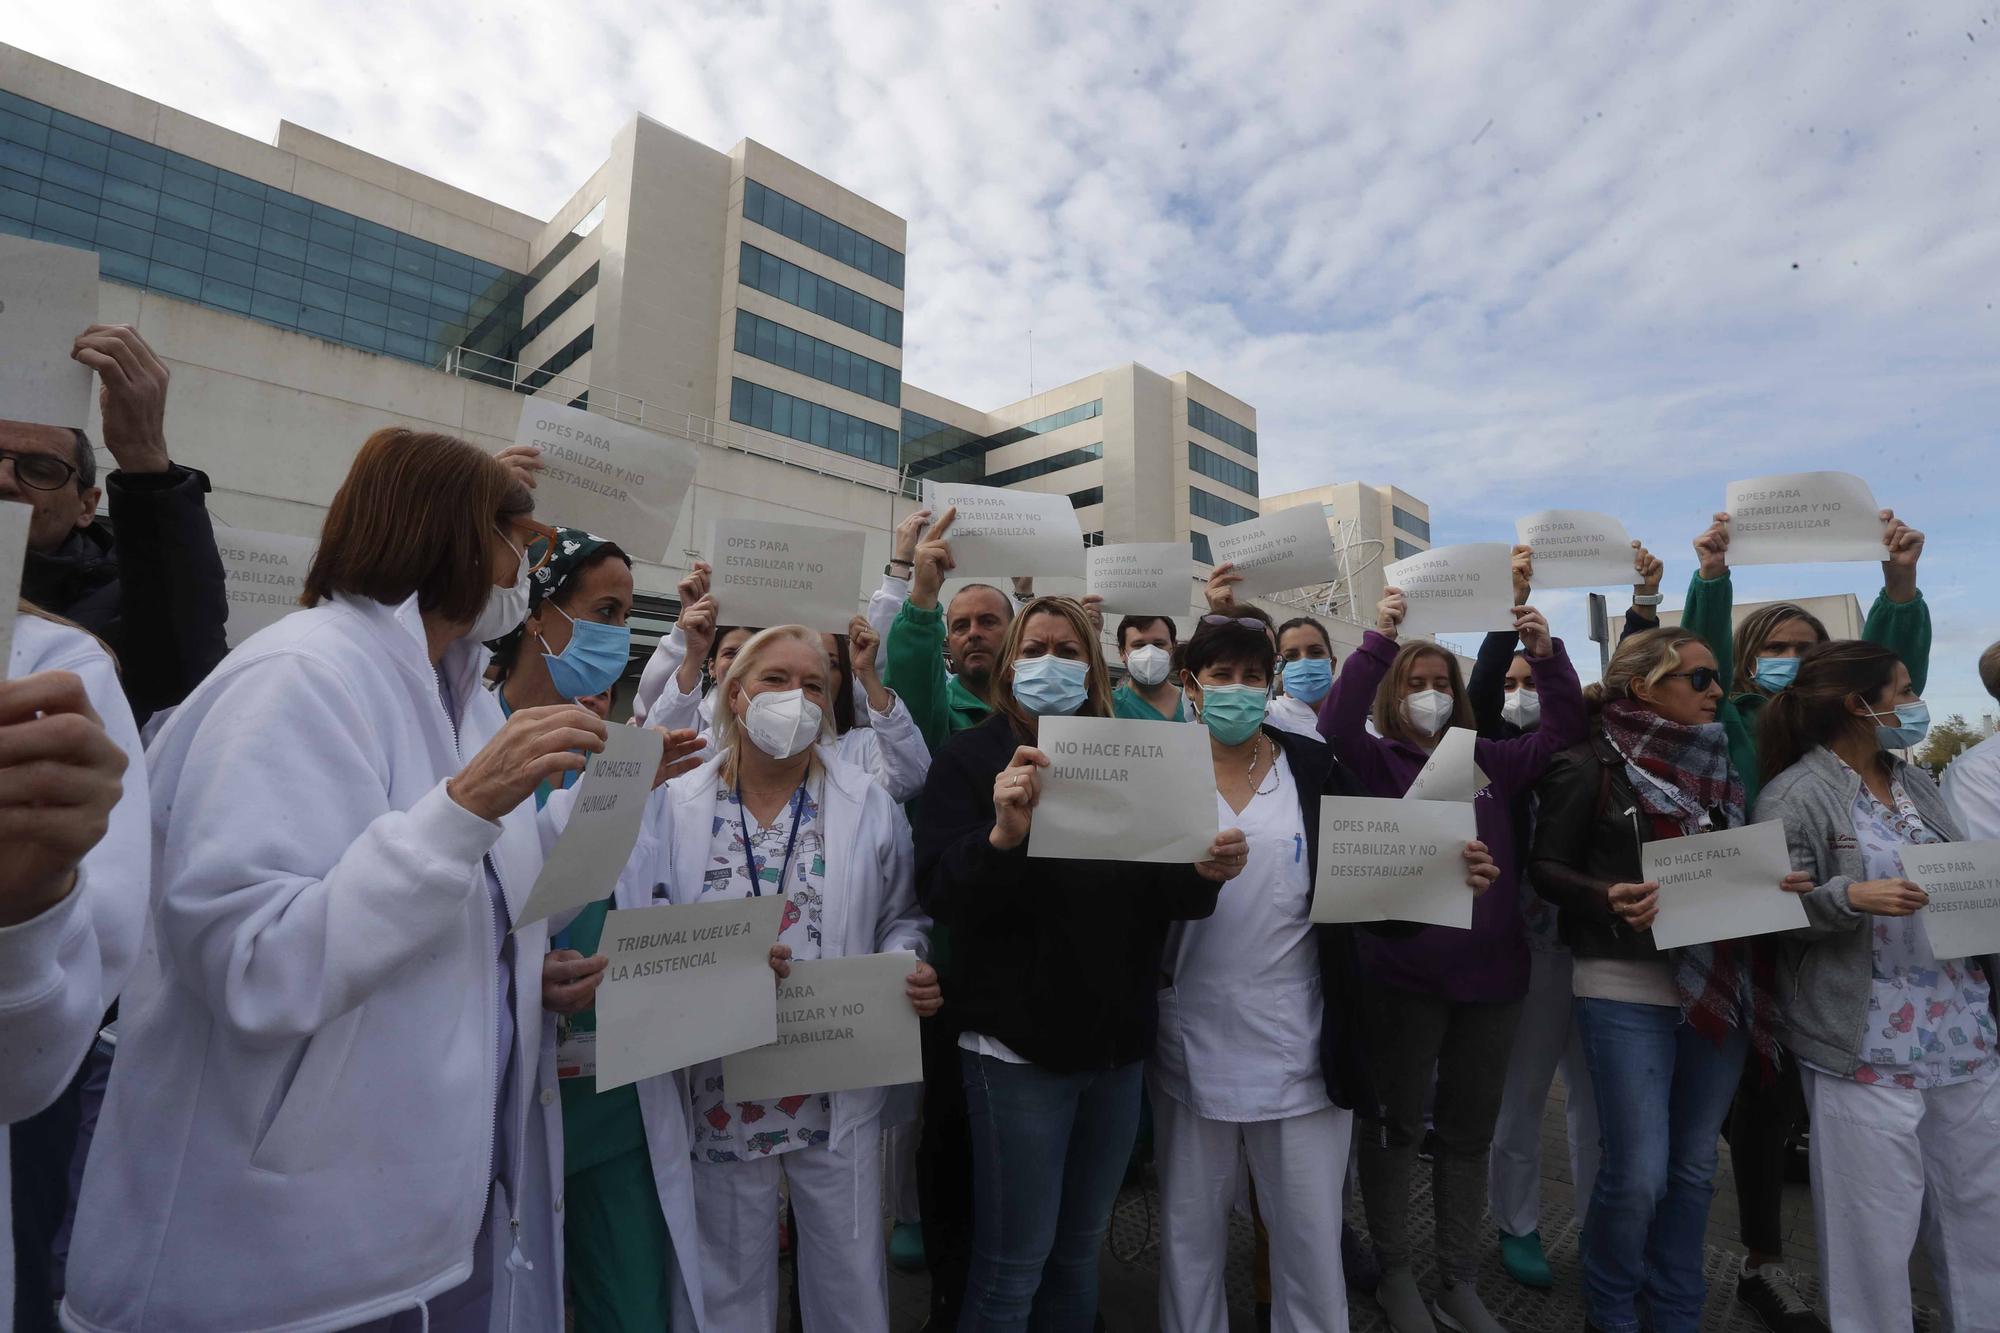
<point>1048,1153</point>
<point>1663,1091</point>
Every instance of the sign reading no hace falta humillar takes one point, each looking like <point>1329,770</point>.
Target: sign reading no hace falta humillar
<point>619,481</point>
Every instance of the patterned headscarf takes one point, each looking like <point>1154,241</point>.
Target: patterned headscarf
<point>575,549</point>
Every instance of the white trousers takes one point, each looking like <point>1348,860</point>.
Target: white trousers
<point>836,1196</point>
<point>1545,1041</point>
<point>1298,1166</point>
<point>1889,1165</point>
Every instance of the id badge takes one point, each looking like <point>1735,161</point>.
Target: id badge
<point>576,1051</point>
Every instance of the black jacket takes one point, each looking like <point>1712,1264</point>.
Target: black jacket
<point>1588,832</point>
<point>156,595</point>
<point>1059,960</point>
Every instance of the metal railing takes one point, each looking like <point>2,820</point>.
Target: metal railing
<point>486,368</point>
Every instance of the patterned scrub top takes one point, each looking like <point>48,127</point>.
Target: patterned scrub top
<point>726,1131</point>
<point>1928,1021</point>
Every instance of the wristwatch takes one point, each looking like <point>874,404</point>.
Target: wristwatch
<point>1647,598</point>
<point>889,570</point>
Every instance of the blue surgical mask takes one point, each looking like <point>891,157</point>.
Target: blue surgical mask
<point>1913,721</point>
<point>1050,686</point>
<point>1308,679</point>
<point>1776,673</point>
<point>593,660</point>
<point>1233,713</point>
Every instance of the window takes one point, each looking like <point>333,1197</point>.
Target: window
<point>770,341</point>
<point>1216,509</point>
<point>553,311</point>
<point>165,222</point>
<point>1093,538</point>
<point>814,423</point>
<point>1041,467</point>
<point>1227,471</point>
<point>823,296</point>
<point>1199,542</point>
<point>571,353</point>
<point>767,208</point>
<point>940,452</point>
<point>1093,496</point>
<point>1221,427</point>
<point>1027,430</point>
<point>1409,522</point>
<point>1404,550</point>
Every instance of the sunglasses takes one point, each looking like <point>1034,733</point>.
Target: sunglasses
<point>1699,679</point>
<point>1246,622</point>
<point>40,472</point>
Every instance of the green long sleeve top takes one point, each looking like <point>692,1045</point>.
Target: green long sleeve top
<point>938,701</point>
<point>1904,628</point>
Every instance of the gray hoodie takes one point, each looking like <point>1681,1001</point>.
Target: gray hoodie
<point>1827,970</point>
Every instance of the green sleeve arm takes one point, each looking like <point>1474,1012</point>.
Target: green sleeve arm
<point>916,670</point>
<point>1904,628</point>
<point>1707,613</point>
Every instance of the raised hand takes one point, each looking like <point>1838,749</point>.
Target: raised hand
<point>903,541</point>
<point>60,778</point>
<point>535,745</point>
<point>1649,568</point>
<point>1533,628</point>
<point>1524,572</point>
<point>524,461</point>
<point>1389,612</point>
<point>933,562</point>
<point>1711,549</point>
<point>133,396</point>
<point>1905,546</point>
<point>1016,791</point>
<point>1221,589</point>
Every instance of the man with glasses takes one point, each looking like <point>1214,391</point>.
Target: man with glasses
<point>155,593</point>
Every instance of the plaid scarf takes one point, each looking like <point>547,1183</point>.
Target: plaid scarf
<point>1684,783</point>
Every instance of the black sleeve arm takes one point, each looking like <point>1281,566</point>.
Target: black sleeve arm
<point>1486,688</point>
<point>1565,821</point>
<point>172,598</point>
<point>961,876</point>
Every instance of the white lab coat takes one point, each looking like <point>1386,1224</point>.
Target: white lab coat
<point>297,1133</point>
<point>61,970</point>
<point>1972,785</point>
<point>1288,714</point>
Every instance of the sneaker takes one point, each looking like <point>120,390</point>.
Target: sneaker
<point>906,1247</point>
<point>1400,1300</point>
<point>1769,1293</point>
<point>1459,1309</point>
<point>1524,1260</point>
<point>1358,1263</point>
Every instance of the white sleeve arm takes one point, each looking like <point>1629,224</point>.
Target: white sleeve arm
<point>290,886</point>
<point>883,605</point>
<point>120,867</point>
<point>51,989</point>
<point>900,923</point>
<point>658,676</point>
<point>901,760</point>
<point>1972,786</point>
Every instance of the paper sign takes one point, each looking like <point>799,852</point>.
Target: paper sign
<point>1722,886</point>
<point>1963,880</point>
<point>1278,552</point>
<point>584,865</point>
<point>685,984</point>
<point>842,1023</point>
<point>1393,860</point>
<point>620,481</point>
<point>1799,518</point>
<point>1575,548</point>
<point>264,573</point>
<point>1120,789</point>
<point>13,557</point>
<point>1452,772</point>
<point>785,574</point>
<point>1140,578</point>
<point>48,295</point>
<point>1456,589</point>
<point>1001,533</point>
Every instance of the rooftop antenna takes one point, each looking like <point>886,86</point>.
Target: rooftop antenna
<point>1031,361</point>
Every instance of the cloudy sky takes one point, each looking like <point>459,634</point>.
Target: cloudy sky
<point>1507,256</point>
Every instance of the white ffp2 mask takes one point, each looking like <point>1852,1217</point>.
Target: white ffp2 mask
<point>782,723</point>
<point>1148,664</point>
<point>1429,711</point>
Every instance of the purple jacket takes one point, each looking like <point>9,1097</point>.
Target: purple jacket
<point>1490,961</point>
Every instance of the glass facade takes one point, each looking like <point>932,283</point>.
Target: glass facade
<point>1041,467</point>
<point>165,222</point>
<point>1409,522</point>
<point>1216,509</point>
<point>937,451</point>
<point>1217,468</point>
<point>1027,430</point>
<point>788,217</point>
<point>768,340</point>
<point>823,296</point>
<point>557,307</point>
<point>1199,542</point>
<point>1404,550</point>
<point>813,423</point>
<point>1093,496</point>
<point>1221,427</point>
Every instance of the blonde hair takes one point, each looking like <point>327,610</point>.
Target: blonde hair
<point>728,731</point>
<point>1391,720</point>
<point>1097,681</point>
<point>1647,657</point>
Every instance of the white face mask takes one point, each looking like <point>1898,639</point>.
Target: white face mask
<point>1523,708</point>
<point>1148,664</point>
<point>782,723</point>
<point>505,608</point>
<point>1429,711</point>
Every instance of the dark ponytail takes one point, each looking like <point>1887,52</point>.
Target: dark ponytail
<point>1812,710</point>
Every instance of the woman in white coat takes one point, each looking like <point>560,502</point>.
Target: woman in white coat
<point>777,811</point>
<point>74,867</point>
<point>332,1075</point>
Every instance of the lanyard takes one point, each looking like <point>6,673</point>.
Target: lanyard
<point>791,839</point>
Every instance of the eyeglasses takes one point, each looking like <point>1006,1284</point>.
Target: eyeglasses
<point>542,542</point>
<point>1699,679</point>
<point>41,472</point>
